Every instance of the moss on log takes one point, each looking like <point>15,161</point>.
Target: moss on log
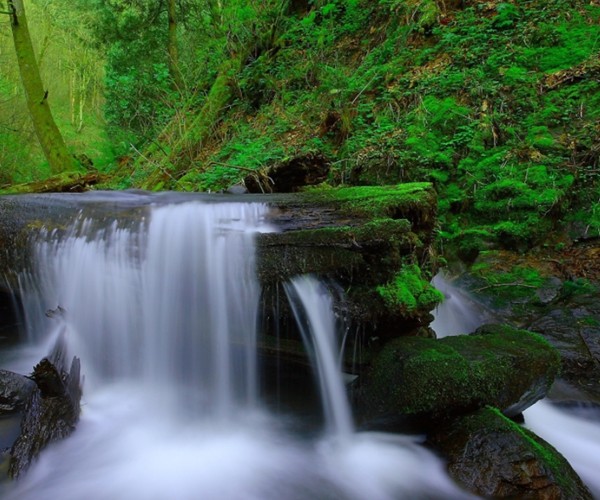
<point>67,182</point>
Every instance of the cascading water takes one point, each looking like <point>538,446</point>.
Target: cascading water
<point>163,316</point>
<point>456,314</point>
<point>313,309</point>
<point>153,304</point>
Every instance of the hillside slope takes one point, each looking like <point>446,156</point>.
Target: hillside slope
<point>495,102</point>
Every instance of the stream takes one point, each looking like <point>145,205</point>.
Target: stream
<point>163,314</point>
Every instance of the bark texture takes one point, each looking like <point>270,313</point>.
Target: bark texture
<point>52,411</point>
<point>49,137</point>
<point>172,48</point>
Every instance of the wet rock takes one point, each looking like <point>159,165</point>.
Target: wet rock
<point>237,189</point>
<point>496,458</point>
<point>549,291</point>
<point>573,328</point>
<point>52,410</point>
<point>362,238</point>
<point>15,389</point>
<point>425,380</point>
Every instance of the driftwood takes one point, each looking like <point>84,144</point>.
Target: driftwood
<point>51,412</point>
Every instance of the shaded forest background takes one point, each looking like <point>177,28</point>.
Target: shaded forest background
<point>496,103</point>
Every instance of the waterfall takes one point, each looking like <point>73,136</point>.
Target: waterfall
<point>162,312</point>
<point>313,309</point>
<point>457,314</point>
<point>153,303</point>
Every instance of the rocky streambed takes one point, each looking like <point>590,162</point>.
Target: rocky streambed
<point>376,246</point>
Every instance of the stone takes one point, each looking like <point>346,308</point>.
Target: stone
<point>15,390</point>
<point>494,457</point>
<point>427,380</point>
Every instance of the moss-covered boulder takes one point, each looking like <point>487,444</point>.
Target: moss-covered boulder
<point>554,292</point>
<point>494,457</point>
<point>426,380</point>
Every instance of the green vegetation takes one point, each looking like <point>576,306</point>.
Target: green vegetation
<point>498,366</point>
<point>409,291</point>
<point>494,103</point>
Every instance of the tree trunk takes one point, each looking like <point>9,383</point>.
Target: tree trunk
<point>47,132</point>
<point>172,48</point>
<point>174,155</point>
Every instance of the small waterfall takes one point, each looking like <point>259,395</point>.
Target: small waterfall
<point>457,314</point>
<point>313,309</point>
<point>163,312</point>
<point>153,303</point>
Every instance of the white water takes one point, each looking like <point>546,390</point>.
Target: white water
<point>575,437</point>
<point>309,297</point>
<point>152,304</point>
<point>163,317</point>
<point>456,315</point>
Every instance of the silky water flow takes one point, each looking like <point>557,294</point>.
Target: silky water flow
<point>163,315</point>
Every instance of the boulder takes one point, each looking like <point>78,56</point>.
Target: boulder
<point>573,328</point>
<point>494,457</point>
<point>15,390</point>
<point>427,380</point>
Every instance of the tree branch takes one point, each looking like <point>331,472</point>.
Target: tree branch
<point>495,285</point>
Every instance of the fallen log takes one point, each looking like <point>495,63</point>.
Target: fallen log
<point>69,182</point>
<point>52,410</point>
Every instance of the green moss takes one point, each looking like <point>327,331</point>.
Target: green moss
<point>409,291</point>
<point>398,201</point>
<point>557,466</point>
<point>500,366</point>
<point>519,284</point>
<point>371,251</point>
<point>579,286</point>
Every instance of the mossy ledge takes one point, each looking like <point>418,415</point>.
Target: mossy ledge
<point>367,239</point>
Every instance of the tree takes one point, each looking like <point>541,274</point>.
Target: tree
<point>172,45</point>
<point>49,137</point>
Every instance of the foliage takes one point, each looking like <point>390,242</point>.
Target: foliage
<point>495,103</point>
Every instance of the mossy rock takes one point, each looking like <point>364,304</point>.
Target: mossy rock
<point>409,291</point>
<point>426,380</point>
<point>494,457</point>
<point>370,262</point>
<point>368,239</point>
<point>415,201</point>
